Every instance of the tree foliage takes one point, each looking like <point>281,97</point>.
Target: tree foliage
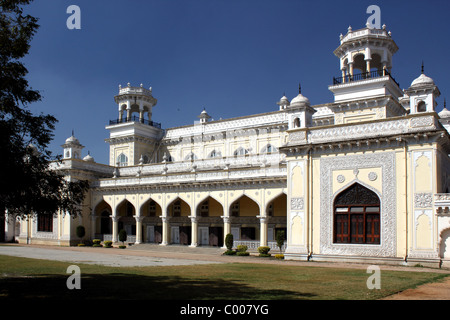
<point>28,185</point>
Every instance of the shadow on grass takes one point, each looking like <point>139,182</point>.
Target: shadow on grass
<point>131,286</point>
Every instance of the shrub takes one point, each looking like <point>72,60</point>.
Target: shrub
<point>279,256</point>
<point>229,241</point>
<point>264,251</point>
<point>122,247</point>
<point>230,252</point>
<point>107,244</point>
<point>81,244</point>
<point>280,237</point>
<point>242,250</point>
<point>80,232</point>
<point>96,243</point>
<point>122,236</point>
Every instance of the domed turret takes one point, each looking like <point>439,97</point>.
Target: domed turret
<point>72,148</point>
<point>284,102</point>
<point>300,100</point>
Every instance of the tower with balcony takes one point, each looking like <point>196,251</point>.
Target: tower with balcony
<point>133,135</point>
<point>366,89</point>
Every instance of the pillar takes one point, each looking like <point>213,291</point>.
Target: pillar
<point>141,112</point>
<point>226,225</point>
<point>350,65</point>
<point>115,226</point>
<point>194,231</point>
<point>165,230</point>
<point>128,111</point>
<point>138,229</point>
<point>93,224</point>
<point>263,230</point>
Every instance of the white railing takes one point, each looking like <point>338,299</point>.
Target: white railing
<point>253,245</point>
<point>364,32</point>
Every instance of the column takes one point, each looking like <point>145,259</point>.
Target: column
<point>263,230</point>
<point>138,229</point>
<point>165,230</point>
<point>226,227</point>
<point>120,113</point>
<point>141,112</point>
<point>194,231</point>
<point>93,224</point>
<point>350,65</point>
<point>115,226</point>
<point>128,111</point>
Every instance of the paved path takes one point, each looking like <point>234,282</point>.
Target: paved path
<point>108,257</point>
<point>156,255</point>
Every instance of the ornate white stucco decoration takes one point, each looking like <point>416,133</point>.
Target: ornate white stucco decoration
<point>372,176</point>
<point>385,161</point>
<point>340,178</point>
<point>297,203</point>
<point>423,200</point>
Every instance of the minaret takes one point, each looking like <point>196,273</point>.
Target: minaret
<point>132,134</point>
<point>365,58</point>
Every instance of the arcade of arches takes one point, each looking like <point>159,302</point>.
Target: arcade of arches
<point>178,223</point>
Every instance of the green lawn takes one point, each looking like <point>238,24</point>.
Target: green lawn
<point>22,278</point>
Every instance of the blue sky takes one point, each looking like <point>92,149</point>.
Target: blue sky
<point>233,57</point>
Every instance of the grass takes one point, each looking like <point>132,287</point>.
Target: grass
<point>24,278</point>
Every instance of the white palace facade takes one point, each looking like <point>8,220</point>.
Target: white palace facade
<point>365,177</point>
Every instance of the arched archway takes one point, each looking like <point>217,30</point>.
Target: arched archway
<point>103,225</point>
<point>276,210</point>
<point>179,212</point>
<point>127,221</point>
<point>357,216</point>
<point>151,212</point>
<point>444,248</point>
<point>210,230</point>
<point>244,212</point>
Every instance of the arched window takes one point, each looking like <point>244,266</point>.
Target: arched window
<point>191,156</point>
<point>357,216</point>
<point>269,149</point>
<point>240,151</point>
<point>421,106</point>
<point>215,154</point>
<point>122,160</point>
<point>296,123</point>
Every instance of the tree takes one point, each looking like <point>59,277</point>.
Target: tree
<point>81,231</point>
<point>280,237</point>
<point>28,184</point>
<point>122,237</point>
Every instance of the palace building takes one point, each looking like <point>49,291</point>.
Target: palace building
<point>363,178</point>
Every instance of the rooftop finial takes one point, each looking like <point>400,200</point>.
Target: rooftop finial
<point>445,104</point>
<point>299,88</point>
<point>72,133</point>
<point>422,66</point>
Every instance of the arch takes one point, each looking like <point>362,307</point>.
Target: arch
<point>269,148</point>
<point>277,206</point>
<point>178,208</point>
<point>209,207</point>
<point>190,156</point>
<point>215,154</point>
<point>375,63</point>
<point>240,152</point>
<point>244,206</point>
<point>356,214</point>
<point>296,122</point>
<point>103,211</point>
<point>151,208</point>
<point>122,160</point>
<point>421,106</point>
<point>359,62</point>
<point>444,245</point>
